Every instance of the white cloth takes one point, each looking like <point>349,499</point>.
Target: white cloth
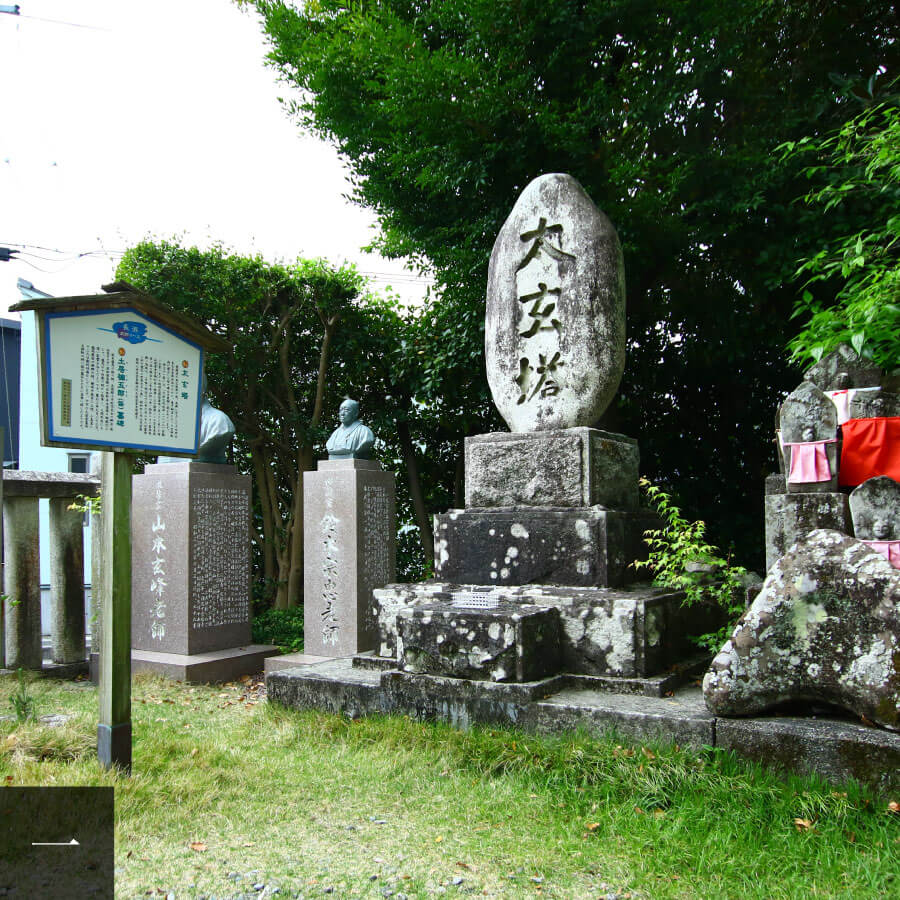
<point>842,399</point>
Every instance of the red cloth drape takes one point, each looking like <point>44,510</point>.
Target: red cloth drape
<point>871,447</point>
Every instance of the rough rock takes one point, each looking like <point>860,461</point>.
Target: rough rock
<point>555,316</point>
<point>825,628</point>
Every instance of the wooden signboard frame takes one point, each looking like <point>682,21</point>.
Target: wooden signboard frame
<point>114,728</point>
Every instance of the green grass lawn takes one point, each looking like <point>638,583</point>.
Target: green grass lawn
<point>229,792</point>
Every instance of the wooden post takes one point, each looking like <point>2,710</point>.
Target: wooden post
<point>114,730</point>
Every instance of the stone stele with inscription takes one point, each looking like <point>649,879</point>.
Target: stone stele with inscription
<point>555,316</point>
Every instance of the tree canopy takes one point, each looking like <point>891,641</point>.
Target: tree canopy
<point>302,336</point>
<point>669,114</point>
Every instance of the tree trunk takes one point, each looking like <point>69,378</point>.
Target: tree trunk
<point>415,490</point>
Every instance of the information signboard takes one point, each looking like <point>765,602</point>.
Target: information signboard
<point>117,378</point>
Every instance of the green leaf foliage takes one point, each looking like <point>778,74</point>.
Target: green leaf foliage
<point>669,114</point>
<point>856,272</point>
<point>680,557</point>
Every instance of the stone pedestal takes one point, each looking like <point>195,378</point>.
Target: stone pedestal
<point>21,552</point>
<point>628,633</point>
<point>572,467</point>
<point>191,571</point>
<point>349,548</point>
<point>532,545</point>
<point>791,517</point>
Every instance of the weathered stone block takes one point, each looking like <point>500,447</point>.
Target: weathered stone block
<point>190,558</point>
<point>572,467</point>
<point>790,517</point>
<point>349,548</point>
<point>775,483</point>
<point>628,633</point>
<point>509,642</point>
<point>532,545</point>
<point>825,628</point>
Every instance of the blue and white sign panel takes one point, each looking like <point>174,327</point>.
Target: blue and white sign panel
<point>115,378</point>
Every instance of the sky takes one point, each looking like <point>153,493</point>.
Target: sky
<point>140,118</point>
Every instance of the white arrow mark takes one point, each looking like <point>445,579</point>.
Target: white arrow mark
<point>72,843</point>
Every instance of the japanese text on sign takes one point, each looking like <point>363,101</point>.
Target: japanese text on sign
<point>117,378</point>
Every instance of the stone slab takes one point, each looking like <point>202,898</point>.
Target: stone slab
<point>190,558</point>
<point>291,660</point>
<point>21,483</point>
<point>626,633</point>
<point>204,668</point>
<point>349,541</point>
<point>831,748</point>
<point>510,642</point>
<point>835,749</point>
<point>591,546</point>
<point>791,517</point>
<point>681,719</point>
<point>571,467</point>
<point>334,686</point>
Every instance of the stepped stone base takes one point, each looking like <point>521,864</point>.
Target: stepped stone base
<point>591,546</point>
<point>838,749</point>
<point>629,632</point>
<point>204,668</point>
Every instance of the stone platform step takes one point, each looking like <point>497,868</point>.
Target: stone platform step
<point>832,747</point>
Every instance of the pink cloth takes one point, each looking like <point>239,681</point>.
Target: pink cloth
<point>809,462</point>
<point>890,550</point>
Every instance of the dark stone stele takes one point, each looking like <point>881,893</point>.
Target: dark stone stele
<point>875,509</point>
<point>843,368</point>
<point>808,415</point>
<point>570,467</point>
<point>203,562</point>
<point>533,545</point>
<point>824,629</point>
<point>791,517</point>
<point>874,405</point>
<point>509,642</point>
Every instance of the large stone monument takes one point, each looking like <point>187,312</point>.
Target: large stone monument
<point>191,612</point>
<point>534,576</point>
<point>349,544</point>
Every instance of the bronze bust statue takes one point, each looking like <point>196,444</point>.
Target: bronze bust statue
<point>351,439</point>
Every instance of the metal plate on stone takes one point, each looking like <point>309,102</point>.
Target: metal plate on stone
<point>474,600</point>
